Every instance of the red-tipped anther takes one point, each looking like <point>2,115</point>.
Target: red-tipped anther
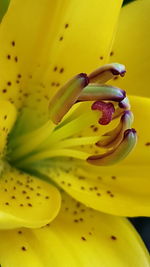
<point>107,110</point>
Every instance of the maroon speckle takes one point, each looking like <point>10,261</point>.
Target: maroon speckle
<point>66,25</point>
<point>113,237</point>
<point>147,144</point>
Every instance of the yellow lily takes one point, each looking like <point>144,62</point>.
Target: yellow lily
<point>44,135</point>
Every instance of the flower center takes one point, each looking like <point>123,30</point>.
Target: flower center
<point>78,115</point>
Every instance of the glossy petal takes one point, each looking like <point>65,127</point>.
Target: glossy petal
<point>84,38</point>
<point>24,44</point>
<point>131,47</point>
<point>116,188</point>
<point>60,33</point>
<point>26,201</point>
<point>7,119</point>
<point>77,237</point>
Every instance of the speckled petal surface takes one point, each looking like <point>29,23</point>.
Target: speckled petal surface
<point>8,116</point>
<point>77,237</point>
<point>38,58</point>
<point>26,201</point>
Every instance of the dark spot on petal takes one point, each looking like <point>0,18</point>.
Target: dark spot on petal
<point>9,56</point>
<point>16,59</point>
<point>55,68</point>
<point>95,129</point>
<point>61,38</point>
<point>147,144</point>
<point>9,83</point>
<point>111,53</point>
<point>13,43</point>
<point>23,248</point>
<point>113,237</point>
<point>101,58</point>
<point>83,238</point>
<point>66,25</point>
<point>61,70</point>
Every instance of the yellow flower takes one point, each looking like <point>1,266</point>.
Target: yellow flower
<point>52,138</point>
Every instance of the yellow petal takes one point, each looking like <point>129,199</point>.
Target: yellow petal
<point>25,37</point>
<point>60,33</point>
<point>7,119</point>
<point>131,47</point>
<point>121,189</point>
<point>77,237</point>
<point>141,110</point>
<point>84,38</point>
<point>26,201</point>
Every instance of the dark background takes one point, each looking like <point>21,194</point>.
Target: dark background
<point>142,225</point>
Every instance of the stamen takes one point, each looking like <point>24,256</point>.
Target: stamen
<point>72,142</point>
<point>95,92</point>
<point>107,72</point>
<point>114,137</point>
<point>115,155</point>
<point>59,137</point>
<point>107,111</point>
<point>69,129</point>
<point>66,97</point>
<point>122,106</point>
<point>29,142</point>
<point>47,154</point>
<point>125,104</point>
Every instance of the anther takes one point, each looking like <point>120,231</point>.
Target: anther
<point>114,137</point>
<point>107,72</point>
<point>94,92</point>
<point>66,97</point>
<point>119,153</point>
